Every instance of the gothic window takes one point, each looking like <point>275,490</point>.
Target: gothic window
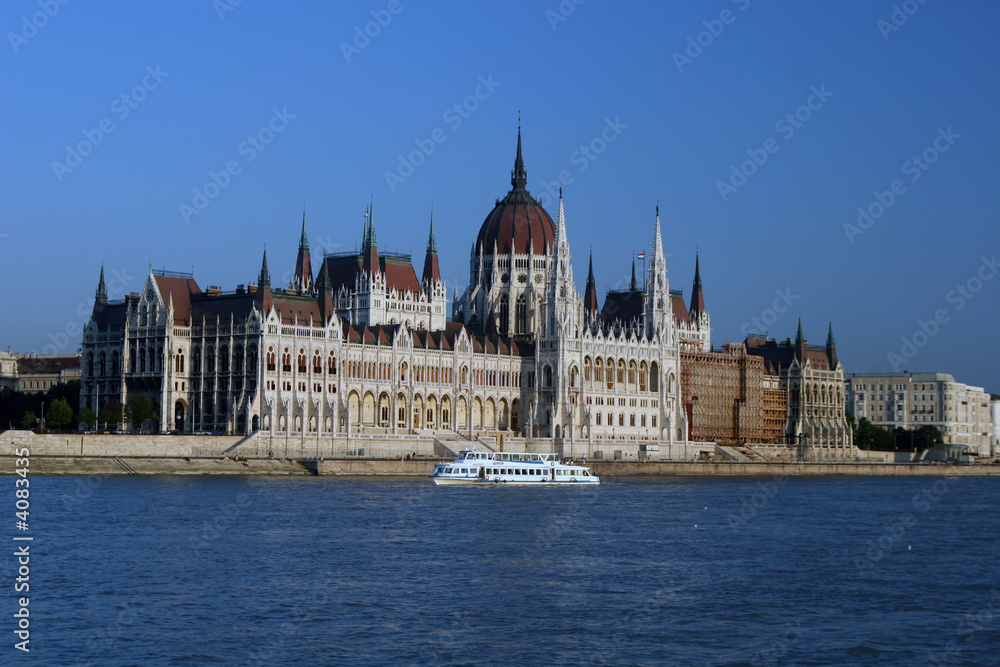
<point>195,360</point>
<point>317,363</point>
<point>588,370</point>
<point>269,357</point>
<point>224,359</point>
<point>90,363</point>
<point>142,360</point>
<point>286,361</point>
<point>331,364</point>
<point>609,374</point>
<point>521,315</point>
<point>302,361</point>
<point>238,359</point>
<point>621,373</point>
<point>504,314</point>
<point>104,364</point>
<point>209,360</point>
<point>548,376</point>
<point>643,376</point>
<point>114,363</point>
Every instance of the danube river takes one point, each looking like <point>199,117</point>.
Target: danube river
<point>351,571</point>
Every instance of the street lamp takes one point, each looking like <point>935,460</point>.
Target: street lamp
<point>43,418</point>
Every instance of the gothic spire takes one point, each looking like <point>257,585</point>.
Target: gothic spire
<point>518,176</point>
<point>697,297</point>
<point>590,294</point>
<point>431,243</point>
<point>633,285</point>
<point>303,280</point>
<point>561,240</point>
<point>101,296</point>
<point>265,276</point>
<point>263,297</point>
<point>831,348</point>
<point>369,248</point>
<point>432,270</point>
<point>304,240</point>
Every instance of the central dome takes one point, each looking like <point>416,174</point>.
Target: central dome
<point>517,222</point>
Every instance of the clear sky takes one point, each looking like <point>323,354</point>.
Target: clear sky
<point>114,113</point>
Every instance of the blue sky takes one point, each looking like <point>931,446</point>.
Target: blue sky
<point>667,99</point>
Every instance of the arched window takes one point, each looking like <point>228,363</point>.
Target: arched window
<point>196,360</point>
<point>270,359</point>
<point>224,359</point>
<point>104,364</point>
<point>142,360</point>
<point>238,359</point>
<point>114,363</point>
<point>331,364</point>
<point>521,315</point>
<point>548,376</point>
<point>317,363</point>
<point>90,363</point>
<point>209,360</point>
<point>286,361</point>
<point>504,314</point>
<point>302,361</point>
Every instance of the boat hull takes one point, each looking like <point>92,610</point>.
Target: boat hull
<point>451,481</point>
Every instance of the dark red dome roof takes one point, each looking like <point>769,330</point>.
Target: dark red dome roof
<point>517,220</point>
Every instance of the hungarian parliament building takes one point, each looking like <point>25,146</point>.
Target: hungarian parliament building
<point>365,344</point>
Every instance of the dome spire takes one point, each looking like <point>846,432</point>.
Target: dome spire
<point>518,176</point>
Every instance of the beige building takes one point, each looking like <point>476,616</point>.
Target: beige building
<point>8,370</point>
<point>912,400</point>
<point>995,425</point>
<point>37,373</point>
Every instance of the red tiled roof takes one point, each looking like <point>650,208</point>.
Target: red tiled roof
<point>181,289</point>
<point>289,307</point>
<point>398,270</point>
<point>679,309</point>
<point>47,365</point>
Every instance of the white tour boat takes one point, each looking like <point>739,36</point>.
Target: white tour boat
<point>475,467</point>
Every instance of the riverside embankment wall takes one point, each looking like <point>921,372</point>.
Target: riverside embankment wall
<point>208,446</point>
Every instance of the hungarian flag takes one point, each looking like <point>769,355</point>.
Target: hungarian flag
<point>641,255</point>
